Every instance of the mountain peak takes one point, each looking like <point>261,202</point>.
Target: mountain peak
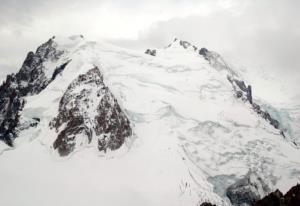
<point>190,129</point>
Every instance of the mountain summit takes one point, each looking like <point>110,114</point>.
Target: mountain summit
<point>89,123</point>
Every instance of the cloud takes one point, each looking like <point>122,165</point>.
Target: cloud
<point>266,32</point>
<point>24,24</point>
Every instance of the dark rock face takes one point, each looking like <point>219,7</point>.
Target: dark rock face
<point>275,123</point>
<point>249,94</point>
<point>245,92</point>
<point>59,70</point>
<point>10,106</point>
<point>207,204</point>
<point>273,199</point>
<point>203,52</point>
<point>151,52</point>
<point>241,85</point>
<point>246,190</point>
<point>239,94</point>
<point>186,44</point>
<point>291,198</point>
<point>89,111</point>
<point>30,80</point>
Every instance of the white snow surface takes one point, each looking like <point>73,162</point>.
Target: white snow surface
<point>188,128</point>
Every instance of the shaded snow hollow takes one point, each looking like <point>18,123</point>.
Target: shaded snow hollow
<point>192,137</point>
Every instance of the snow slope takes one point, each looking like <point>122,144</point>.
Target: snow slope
<point>192,137</point>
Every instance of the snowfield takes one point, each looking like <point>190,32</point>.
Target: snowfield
<point>192,137</point>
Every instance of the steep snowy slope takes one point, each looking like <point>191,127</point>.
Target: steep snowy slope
<point>187,128</point>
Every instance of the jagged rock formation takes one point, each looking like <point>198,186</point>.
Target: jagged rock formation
<point>88,111</point>
<point>32,77</point>
<point>245,93</point>
<point>30,80</point>
<point>11,104</point>
<point>275,123</point>
<point>186,45</point>
<point>59,69</point>
<point>241,89</point>
<point>247,190</point>
<point>151,52</point>
<point>291,198</point>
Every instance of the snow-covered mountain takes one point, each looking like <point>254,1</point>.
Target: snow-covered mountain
<point>88,123</point>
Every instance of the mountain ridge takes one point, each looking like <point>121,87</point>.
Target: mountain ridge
<point>190,128</point>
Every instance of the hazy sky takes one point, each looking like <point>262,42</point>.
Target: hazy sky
<point>260,33</point>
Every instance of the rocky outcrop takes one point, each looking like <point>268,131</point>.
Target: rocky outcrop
<point>88,112</point>
<point>203,52</point>
<point>245,93</point>
<point>30,80</point>
<point>267,116</point>
<point>247,190</point>
<point>291,198</point>
<point>207,204</point>
<point>241,90</point>
<point>186,45</point>
<point>11,104</point>
<point>59,70</point>
<point>151,52</point>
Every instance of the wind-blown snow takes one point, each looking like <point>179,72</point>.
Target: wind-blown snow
<point>189,130</point>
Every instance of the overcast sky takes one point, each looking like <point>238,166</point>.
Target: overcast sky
<point>260,33</point>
